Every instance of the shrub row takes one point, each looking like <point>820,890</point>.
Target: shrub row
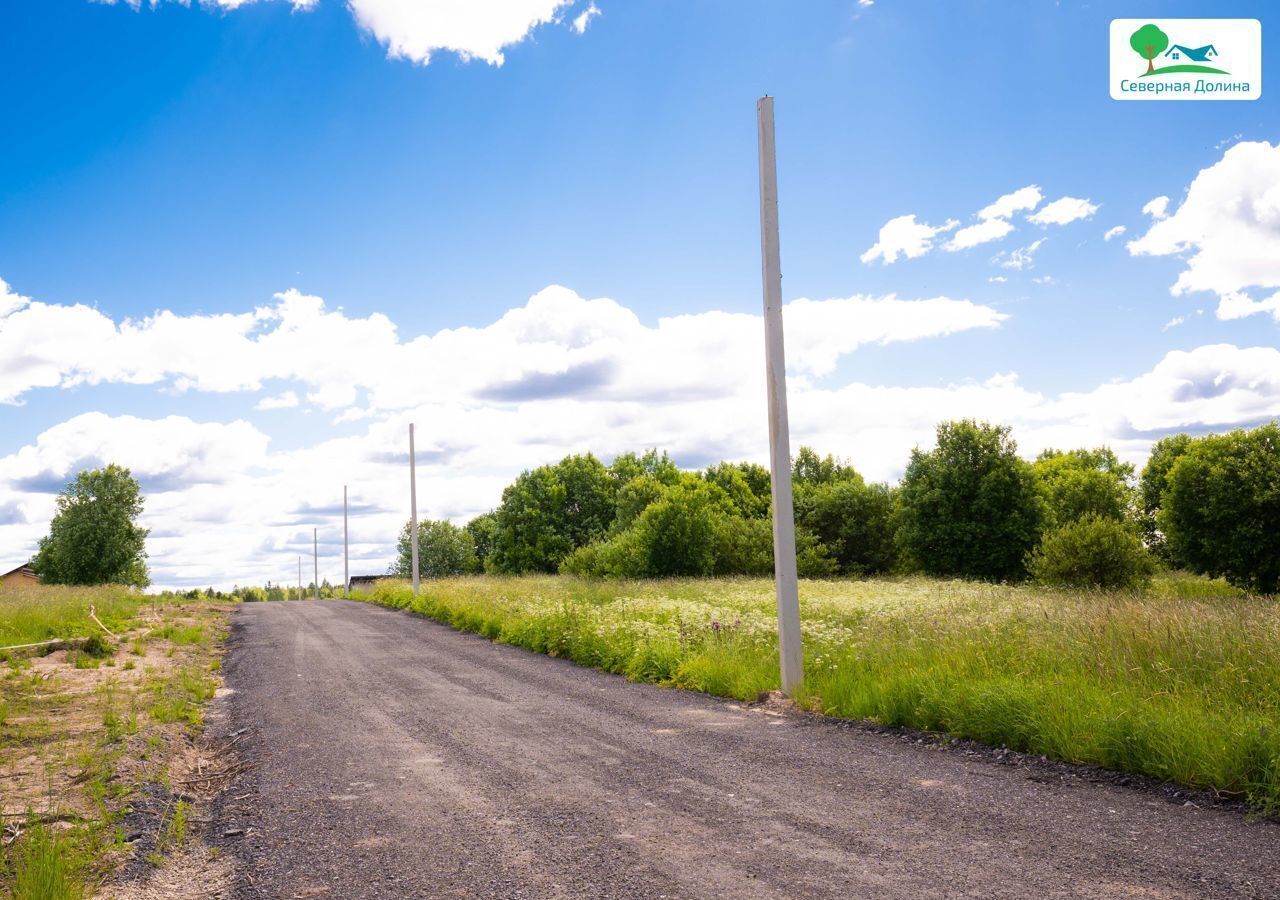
<point>970,507</point>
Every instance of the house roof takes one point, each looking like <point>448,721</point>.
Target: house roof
<point>17,569</point>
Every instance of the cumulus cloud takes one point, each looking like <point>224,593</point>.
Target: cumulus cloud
<point>1113,232</point>
<point>904,236</point>
<point>417,29</point>
<point>1228,231</point>
<point>1157,208</point>
<point>1004,207</point>
<point>557,344</point>
<point>983,232</point>
<point>1062,211</point>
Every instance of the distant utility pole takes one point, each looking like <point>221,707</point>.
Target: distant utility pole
<point>315,557</point>
<point>784,523</point>
<point>413,512</point>
<point>346,565</point>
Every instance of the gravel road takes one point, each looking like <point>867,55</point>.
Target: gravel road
<point>395,757</point>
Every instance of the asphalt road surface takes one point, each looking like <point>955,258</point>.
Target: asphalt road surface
<point>394,757</point>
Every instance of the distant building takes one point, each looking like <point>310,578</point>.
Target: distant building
<point>22,576</point>
<point>364,581</point>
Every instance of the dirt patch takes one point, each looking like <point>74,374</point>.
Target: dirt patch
<point>115,741</point>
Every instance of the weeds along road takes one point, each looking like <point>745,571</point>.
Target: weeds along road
<point>394,757</point>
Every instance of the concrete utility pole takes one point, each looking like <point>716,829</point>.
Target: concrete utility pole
<point>315,557</point>
<point>784,523</point>
<point>346,564</point>
<point>413,512</point>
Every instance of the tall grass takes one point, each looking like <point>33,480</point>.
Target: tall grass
<point>1180,683</point>
<point>46,612</point>
<point>46,866</point>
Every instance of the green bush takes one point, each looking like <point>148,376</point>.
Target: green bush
<point>444,549</point>
<point>1082,483</point>
<point>1095,551</point>
<point>1151,488</point>
<point>854,521</point>
<point>1220,509</point>
<point>549,512</point>
<point>971,507</point>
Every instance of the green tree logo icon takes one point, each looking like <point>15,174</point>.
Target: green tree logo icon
<point>1149,42</point>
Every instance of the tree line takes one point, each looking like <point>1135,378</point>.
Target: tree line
<point>971,507</point>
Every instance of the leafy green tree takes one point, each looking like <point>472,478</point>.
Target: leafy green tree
<point>444,549</point>
<point>549,512</point>
<point>1220,508</point>
<point>1151,488</point>
<point>808,469</point>
<point>855,521</point>
<point>658,466</point>
<point>484,534</point>
<point>747,485</point>
<point>971,507</point>
<point>94,537</point>
<point>1081,483</point>
<point>1093,551</point>
<point>1149,42</point>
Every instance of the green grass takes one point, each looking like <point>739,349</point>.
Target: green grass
<point>1185,67</point>
<point>1181,682</point>
<point>46,866</point>
<point>48,612</point>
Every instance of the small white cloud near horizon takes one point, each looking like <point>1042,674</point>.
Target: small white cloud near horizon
<point>904,236</point>
<point>1114,232</point>
<point>980,233</point>
<point>286,400</point>
<point>1063,211</point>
<point>1174,322</point>
<point>583,19</point>
<point>1021,258</point>
<point>1004,207</point>
<point>1157,208</point>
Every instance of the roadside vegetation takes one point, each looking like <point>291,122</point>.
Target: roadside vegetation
<point>1067,606</point>
<point>97,729</point>
<point>970,507</point>
<point>1179,682</point>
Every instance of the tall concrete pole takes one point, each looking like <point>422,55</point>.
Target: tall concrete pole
<point>784,523</point>
<point>315,556</point>
<point>346,563</point>
<point>413,512</point>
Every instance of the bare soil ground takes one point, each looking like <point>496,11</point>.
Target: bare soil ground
<point>109,745</point>
<point>394,757</point>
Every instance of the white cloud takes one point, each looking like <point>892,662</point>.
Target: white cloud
<point>1174,322</point>
<point>997,279</point>
<point>1004,207</point>
<point>1063,210</point>
<point>558,344</point>
<point>563,374</point>
<point>983,232</point>
<point>1157,208</point>
<point>583,19</point>
<point>1228,231</point>
<point>417,29</point>
<point>1021,258</point>
<point>904,236</point>
<point>1043,279</point>
<point>1113,232</point>
<point>286,400</point>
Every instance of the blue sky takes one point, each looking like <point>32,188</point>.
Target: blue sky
<point>201,160</point>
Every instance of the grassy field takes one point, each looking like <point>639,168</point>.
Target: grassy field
<point>1181,682</point>
<point>87,727</point>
